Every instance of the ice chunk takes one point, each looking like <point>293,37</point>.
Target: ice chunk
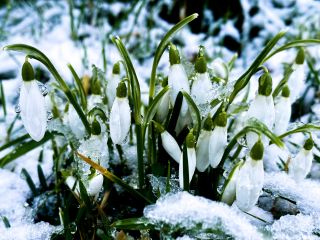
<point>185,212</point>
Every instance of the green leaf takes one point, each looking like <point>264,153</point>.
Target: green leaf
<point>42,178</point>
<point>6,222</point>
<point>243,80</point>
<point>32,52</point>
<point>195,113</point>
<point>84,194</point>
<point>15,141</point>
<point>304,128</point>
<point>162,47</point>
<point>29,181</point>
<point>133,224</point>
<point>296,43</point>
<point>22,149</point>
<point>3,100</point>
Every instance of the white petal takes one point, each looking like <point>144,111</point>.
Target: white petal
<point>163,108</point>
<point>249,184</point>
<point>282,115</point>
<point>112,88</point>
<point>201,88</point>
<point>70,182</point>
<point>33,110</point>
<point>229,193</point>
<point>178,81</point>
<point>300,165</point>
<point>217,144</point>
<point>95,185</point>
<point>120,120</point>
<point>75,123</point>
<point>296,82</point>
<point>219,69</point>
<point>191,165</point>
<point>171,146</point>
<point>202,150</point>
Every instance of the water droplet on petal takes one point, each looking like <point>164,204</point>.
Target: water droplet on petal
<point>17,108</point>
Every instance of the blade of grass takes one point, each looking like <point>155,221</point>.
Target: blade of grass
<point>133,224</point>
<point>29,181</point>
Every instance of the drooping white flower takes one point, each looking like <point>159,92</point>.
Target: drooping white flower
<point>298,76</point>
<point>113,82</point>
<point>73,120</point>
<point>301,164</point>
<point>250,179</point>
<point>282,112</point>
<point>202,148</point>
<point>219,69</point>
<point>202,85</point>
<point>177,79</point>
<point>169,143</point>
<point>32,104</point>
<point>95,184</point>
<point>73,184</point>
<point>218,140</point>
<point>163,108</point>
<point>120,117</point>
<point>192,159</point>
<point>262,108</point>
<point>229,191</point>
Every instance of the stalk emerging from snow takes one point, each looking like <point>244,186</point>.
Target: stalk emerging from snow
<point>202,84</point>
<point>202,148</point>
<point>300,165</point>
<point>177,78</point>
<point>191,164</point>
<point>169,143</point>
<point>262,108</point>
<point>120,117</point>
<point>218,140</point>
<point>282,111</point>
<point>250,179</point>
<point>32,104</point>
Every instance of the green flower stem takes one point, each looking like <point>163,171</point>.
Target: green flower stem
<point>32,52</point>
<point>162,47</point>
<point>3,100</point>
<point>304,128</point>
<point>81,91</point>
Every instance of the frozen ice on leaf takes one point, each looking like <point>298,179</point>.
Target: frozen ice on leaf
<point>195,215</point>
<point>159,185</point>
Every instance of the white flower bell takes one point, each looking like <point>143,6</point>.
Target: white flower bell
<point>301,164</point>
<point>120,117</point>
<point>202,149</point>
<point>262,108</point>
<point>191,153</point>
<point>282,112</point>
<point>113,82</point>
<point>163,107</point>
<point>32,104</point>
<point>169,143</point>
<point>202,85</point>
<point>229,191</point>
<point>218,140</point>
<point>250,179</point>
<point>73,185</point>
<point>297,78</point>
<point>219,69</point>
<point>177,78</point>
<point>95,184</point>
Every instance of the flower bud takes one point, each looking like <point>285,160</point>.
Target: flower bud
<point>174,56</point>
<point>121,90</point>
<point>27,71</point>
<point>116,68</point>
<point>190,140</point>
<point>300,57</point>
<point>256,152</point>
<point>265,84</point>
<point>95,127</point>
<point>285,91</point>
<point>201,65</point>
<point>308,145</point>
<point>208,124</point>
<point>221,119</point>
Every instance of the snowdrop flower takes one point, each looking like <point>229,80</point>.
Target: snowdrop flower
<point>73,185</point>
<point>300,165</point>
<point>169,143</point>
<point>250,179</point>
<point>218,140</point>
<point>120,117</point>
<point>191,153</point>
<point>177,78</point>
<point>73,120</point>
<point>202,149</point>
<point>113,82</point>
<point>94,184</point>
<point>163,108</point>
<point>229,192</point>
<point>219,69</point>
<point>282,112</point>
<point>202,84</point>
<point>297,78</point>
<point>32,104</point>
<point>262,108</point>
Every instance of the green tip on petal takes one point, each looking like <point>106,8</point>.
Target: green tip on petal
<point>300,56</point>
<point>174,56</point>
<point>256,152</point>
<point>201,65</point>
<point>208,124</point>
<point>159,128</point>
<point>190,140</point>
<point>265,84</point>
<point>285,91</point>
<point>122,90</point>
<point>221,119</point>
<point>27,71</point>
<point>116,68</point>
<point>308,145</point>
<point>95,127</point>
